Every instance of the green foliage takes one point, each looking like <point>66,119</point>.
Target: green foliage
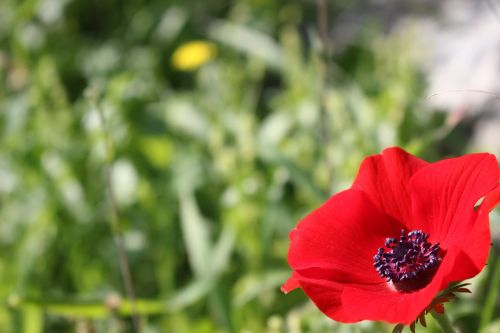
<point>210,168</point>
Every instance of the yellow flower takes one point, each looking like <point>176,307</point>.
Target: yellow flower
<point>193,54</point>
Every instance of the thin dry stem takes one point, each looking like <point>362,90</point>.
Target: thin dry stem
<point>116,227</point>
<point>474,91</point>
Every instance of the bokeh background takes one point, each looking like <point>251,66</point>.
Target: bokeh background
<point>217,125</point>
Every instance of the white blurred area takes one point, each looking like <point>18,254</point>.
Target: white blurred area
<point>458,45</point>
<point>463,66</point>
<point>464,56</point>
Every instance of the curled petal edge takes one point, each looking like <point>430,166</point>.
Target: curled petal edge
<point>291,284</point>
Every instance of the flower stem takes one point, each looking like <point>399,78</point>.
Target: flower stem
<point>443,322</point>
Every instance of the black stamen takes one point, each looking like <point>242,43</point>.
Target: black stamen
<point>408,262</point>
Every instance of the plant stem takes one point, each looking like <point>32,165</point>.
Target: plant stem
<point>443,322</point>
<point>325,60</point>
<point>115,221</point>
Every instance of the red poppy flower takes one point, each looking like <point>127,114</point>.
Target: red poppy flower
<point>406,229</point>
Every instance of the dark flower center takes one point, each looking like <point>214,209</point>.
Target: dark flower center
<point>409,262</point>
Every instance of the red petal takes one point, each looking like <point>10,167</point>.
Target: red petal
<point>381,302</point>
<point>338,240</point>
<point>327,297</point>
<point>491,200</point>
<point>385,179</point>
<point>290,284</point>
<point>473,252</point>
<point>478,242</point>
<point>333,247</point>
<point>444,194</point>
<point>475,249</point>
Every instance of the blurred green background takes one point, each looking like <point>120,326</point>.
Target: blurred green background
<point>225,123</point>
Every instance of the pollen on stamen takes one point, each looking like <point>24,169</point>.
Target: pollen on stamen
<point>408,262</point>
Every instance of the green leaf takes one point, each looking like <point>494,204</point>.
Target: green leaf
<point>190,294</point>
<point>195,232</point>
<point>249,41</point>
<point>492,296</point>
<point>253,285</point>
<point>222,251</point>
<point>32,319</point>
